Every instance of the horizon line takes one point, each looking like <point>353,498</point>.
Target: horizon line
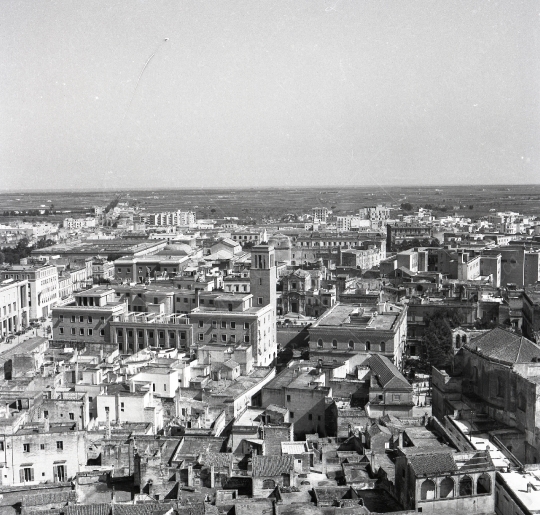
<point>263,188</point>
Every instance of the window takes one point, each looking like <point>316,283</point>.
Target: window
<point>291,414</point>
<point>223,325</point>
<point>120,333</point>
<point>26,474</point>
<point>320,343</point>
<point>140,334</point>
<point>161,335</point>
<point>121,406</point>
<point>334,344</point>
<point>183,335</point>
<point>465,486</point>
<point>483,485</point>
<point>73,330</point>
<point>102,332</point>
<point>233,338</point>
<point>214,337</point>
<point>172,335</point>
<point>246,325</point>
<point>61,318</point>
<point>102,320</point>
<point>90,332</point>
<point>288,398</point>
<point>383,347</point>
<point>201,323</point>
<point>90,319</point>
<point>81,331</point>
<point>310,417</point>
<point>351,345</point>
<point>427,490</point>
<point>42,446</point>
<point>73,319</point>
<point>368,345</point>
<point>233,325</point>
<point>201,337</point>
<point>223,337</point>
<point>259,301</point>
<point>81,319</point>
<point>59,445</point>
<point>106,409</point>
<point>26,447</point>
<point>246,338</point>
<point>61,330</point>
<point>164,387</point>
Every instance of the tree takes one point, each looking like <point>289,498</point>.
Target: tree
<point>437,345</point>
<point>407,206</point>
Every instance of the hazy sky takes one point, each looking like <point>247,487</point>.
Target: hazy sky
<point>268,93</point>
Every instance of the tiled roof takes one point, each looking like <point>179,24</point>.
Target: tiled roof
<point>504,346</point>
<point>141,509</point>
<point>387,373</point>
<point>269,466</point>
<point>218,459</point>
<point>89,509</point>
<point>433,463</point>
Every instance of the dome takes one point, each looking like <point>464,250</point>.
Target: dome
<point>280,241</point>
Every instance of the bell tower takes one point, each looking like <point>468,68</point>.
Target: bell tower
<point>263,276</point>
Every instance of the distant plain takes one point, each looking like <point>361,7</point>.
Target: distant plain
<point>261,204</point>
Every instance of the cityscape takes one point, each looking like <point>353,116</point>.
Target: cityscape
<point>270,258</point>
<point>384,360</point>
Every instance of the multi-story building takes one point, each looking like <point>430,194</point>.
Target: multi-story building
<point>230,319</point>
<point>42,286</point>
<point>79,223</point>
<point>132,332</point>
<point>300,388</point>
<point>88,318</point>
<point>129,402</point>
<point>531,314</point>
<point>149,268</point>
<point>349,329</point>
<point>320,214</point>
<point>42,452</point>
<point>168,218</point>
<point>14,309</point>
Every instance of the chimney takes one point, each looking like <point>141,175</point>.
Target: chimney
<point>190,476</point>
<point>212,476</point>
<point>400,439</point>
<point>132,386</point>
<point>529,488</point>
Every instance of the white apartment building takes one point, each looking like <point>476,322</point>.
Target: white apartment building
<point>13,306</point>
<point>79,223</point>
<point>169,218</point>
<point>42,286</point>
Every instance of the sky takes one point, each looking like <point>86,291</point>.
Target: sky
<point>268,93</point>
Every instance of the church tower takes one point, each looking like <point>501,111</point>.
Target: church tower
<point>263,276</point>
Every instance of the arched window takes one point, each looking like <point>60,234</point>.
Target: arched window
<point>351,345</point>
<point>465,486</point>
<point>319,343</point>
<point>368,345</point>
<point>464,339</point>
<point>269,484</point>
<point>427,490</point>
<point>458,341</point>
<point>334,344</point>
<point>447,488</point>
<point>483,485</point>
